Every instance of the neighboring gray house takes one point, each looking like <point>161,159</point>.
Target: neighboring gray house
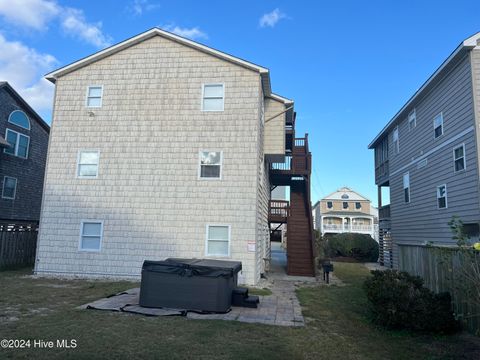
<point>427,156</point>
<point>23,153</point>
<point>161,147</point>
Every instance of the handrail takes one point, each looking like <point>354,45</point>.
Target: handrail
<point>280,208</point>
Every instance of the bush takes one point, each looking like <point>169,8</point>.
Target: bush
<point>361,247</point>
<point>400,301</point>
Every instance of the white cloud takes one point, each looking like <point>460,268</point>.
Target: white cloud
<point>74,24</point>
<point>31,13</point>
<point>37,14</point>
<point>191,33</point>
<point>23,68</point>
<point>138,7</point>
<point>272,18</point>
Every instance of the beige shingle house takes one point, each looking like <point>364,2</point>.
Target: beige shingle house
<point>160,148</point>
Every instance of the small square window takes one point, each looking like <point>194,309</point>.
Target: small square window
<point>459,158</point>
<point>91,234</point>
<point>94,96</point>
<point>210,164</point>
<point>218,240</point>
<point>9,188</point>
<point>438,125</point>
<point>412,119</point>
<point>329,204</point>
<point>88,164</point>
<point>345,205</point>
<point>358,205</point>
<point>442,196</point>
<point>213,97</point>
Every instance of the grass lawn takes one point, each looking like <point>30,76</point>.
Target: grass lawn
<point>337,327</point>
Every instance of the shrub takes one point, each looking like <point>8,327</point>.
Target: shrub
<point>400,301</point>
<point>361,247</point>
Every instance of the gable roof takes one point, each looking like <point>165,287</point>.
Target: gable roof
<point>264,72</point>
<point>5,85</point>
<point>352,195</point>
<point>457,55</point>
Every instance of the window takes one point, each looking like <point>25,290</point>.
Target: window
<point>19,118</point>
<point>442,196</point>
<point>329,204</point>
<point>210,164</point>
<point>412,119</point>
<point>396,143</point>
<point>18,144</point>
<point>91,234</point>
<point>406,187</point>
<point>94,96</point>
<point>345,205</point>
<point>459,158</point>
<point>9,187</point>
<point>438,125</point>
<point>358,205</point>
<point>212,97</point>
<point>218,240</point>
<point>87,164</point>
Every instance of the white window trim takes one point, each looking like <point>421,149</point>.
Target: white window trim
<point>446,197</point>
<point>9,117</point>
<point>464,159</point>
<point>77,169</point>
<point>412,118</point>
<point>229,241</point>
<point>200,165</point>
<point>81,235</point>
<point>408,187</point>
<point>14,191</point>
<point>87,97</point>
<point>203,96</point>
<point>443,130</point>
<point>396,148</point>
<point>17,143</point>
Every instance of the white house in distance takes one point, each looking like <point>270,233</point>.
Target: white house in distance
<point>163,147</point>
<point>343,211</point>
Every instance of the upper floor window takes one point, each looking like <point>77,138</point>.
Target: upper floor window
<point>19,118</point>
<point>9,187</point>
<point>358,205</point>
<point>19,144</point>
<point>329,204</point>
<point>87,166</point>
<point>91,234</point>
<point>459,158</point>
<point>345,205</point>
<point>438,125</point>
<point>213,97</point>
<point>406,187</point>
<point>412,119</point>
<point>94,96</point>
<point>218,240</point>
<point>442,196</point>
<point>210,165</point>
<point>396,142</point>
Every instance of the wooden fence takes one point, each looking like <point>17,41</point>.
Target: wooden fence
<point>448,269</point>
<point>18,243</point>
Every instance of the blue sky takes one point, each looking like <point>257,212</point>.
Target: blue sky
<point>348,65</point>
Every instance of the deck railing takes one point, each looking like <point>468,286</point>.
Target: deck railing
<point>279,208</point>
<point>384,212</point>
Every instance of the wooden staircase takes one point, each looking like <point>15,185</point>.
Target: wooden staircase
<point>295,172</point>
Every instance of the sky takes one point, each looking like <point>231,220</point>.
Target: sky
<point>349,65</point>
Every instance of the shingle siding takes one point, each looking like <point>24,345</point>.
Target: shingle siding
<point>28,172</point>
<point>420,221</point>
<point>149,132</point>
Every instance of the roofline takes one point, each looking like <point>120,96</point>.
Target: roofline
<point>37,117</point>
<point>280,98</point>
<point>264,72</point>
<point>349,189</point>
<point>467,44</point>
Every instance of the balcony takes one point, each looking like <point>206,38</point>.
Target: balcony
<point>278,211</point>
<point>295,165</point>
<point>382,172</point>
<point>384,213</point>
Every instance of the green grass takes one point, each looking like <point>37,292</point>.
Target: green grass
<point>259,292</point>
<point>337,327</point>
